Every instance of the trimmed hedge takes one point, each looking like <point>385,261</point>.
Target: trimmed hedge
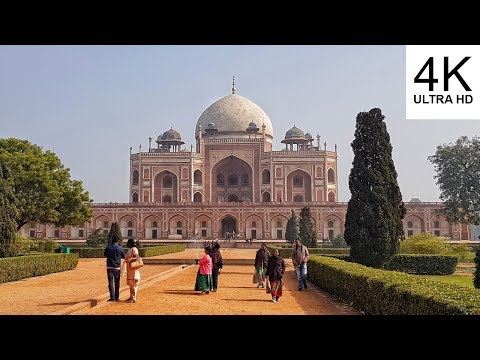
<point>287,252</point>
<point>85,252</point>
<point>88,252</point>
<point>424,264</point>
<point>21,267</point>
<point>383,292</point>
<point>160,250</point>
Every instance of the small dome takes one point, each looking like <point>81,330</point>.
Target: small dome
<point>252,125</point>
<point>294,133</point>
<point>308,136</point>
<point>169,135</point>
<point>210,125</point>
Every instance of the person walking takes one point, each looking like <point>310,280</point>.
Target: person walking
<point>217,265</point>
<point>275,271</point>
<point>114,254</point>
<point>204,281</point>
<point>300,257</point>
<point>133,275</point>
<point>261,262</point>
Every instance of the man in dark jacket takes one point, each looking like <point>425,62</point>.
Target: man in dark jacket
<point>114,254</point>
<point>217,265</point>
<point>261,261</point>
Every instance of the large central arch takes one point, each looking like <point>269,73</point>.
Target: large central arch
<point>232,178</point>
<point>165,186</point>
<point>299,186</point>
<point>229,224</point>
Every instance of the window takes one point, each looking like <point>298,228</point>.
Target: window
<point>298,198</point>
<point>197,197</point>
<point>179,232</point>
<point>179,224</point>
<point>330,224</point>
<point>135,178</point>
<point>167,199</point>
<point>266,177</point>
<point>154,224</point>
<point>279,223</point>
<point>254,224</point>
<point>32,233</point>
<point>197,177</point>
<point>135,198</point>
<point>409,224</point>
<point>436,224</point>
<point>105,224</point>
<point>232,198</point>
<point>436,233</point>
<point>244,179</point>
<point>331,175</point>
<point>204,224</point>
<point>330,235</point>
<point>130,224</point>
<point>56,233</point>
<point>409,232</point>
<point>297,181</point>
<point>80,233</point>
<point>204,233</point>
<point>167,182</point>
<point>130,232</point>
<point>232,180</point>
<point>220,179</point>
<point>154,234</point>
<point>279,234</point>
<point>266,196</point>
<point>331,196</point>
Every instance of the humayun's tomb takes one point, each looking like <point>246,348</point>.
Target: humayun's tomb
<point>234,181</point>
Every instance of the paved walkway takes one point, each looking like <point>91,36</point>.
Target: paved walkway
<point>164,289</point>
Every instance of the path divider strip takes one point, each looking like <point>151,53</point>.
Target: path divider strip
<point>124,291</point>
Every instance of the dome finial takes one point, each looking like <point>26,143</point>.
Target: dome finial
<point>233,85</point>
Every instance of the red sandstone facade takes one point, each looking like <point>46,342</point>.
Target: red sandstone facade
<point>234,182</point>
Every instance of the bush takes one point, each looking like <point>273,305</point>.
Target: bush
<point>97,239</point>
<point>88,252</point>
<point>425,243</point>
<point>383,292</point>
<point>21,267</point>
<point>463,252</point>
<point>339,242</point>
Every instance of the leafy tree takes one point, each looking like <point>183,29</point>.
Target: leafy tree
<point>339,242</point>
<point>8,212</point>
<point>306,230</point>
<point>291,232</point>
<point>42,185</point>
<point>425,243</point>
<point>97,238</point>
<point>373,226</point>
<point>115,230</point>
<point>458,177</point>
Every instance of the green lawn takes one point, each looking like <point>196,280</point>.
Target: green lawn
<point>454,279</point>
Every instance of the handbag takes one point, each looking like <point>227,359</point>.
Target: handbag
<point>256,278</point>
<point>137,263</point>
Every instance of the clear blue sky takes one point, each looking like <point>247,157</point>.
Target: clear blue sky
<point>89,104</point>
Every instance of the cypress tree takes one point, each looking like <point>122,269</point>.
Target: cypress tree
<point>373,225</point>
<point>115,230</point>
<point>291,232</point>
<point>8,213</point>
<point>476,278</point>
<point>306,230</point>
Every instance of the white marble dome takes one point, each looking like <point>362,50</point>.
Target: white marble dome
<point>233,114</point>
